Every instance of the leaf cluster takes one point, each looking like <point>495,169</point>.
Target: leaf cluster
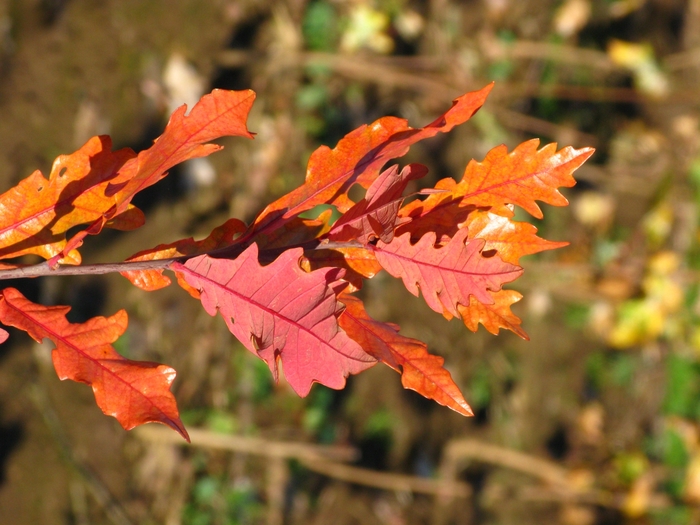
<point>286,285</point>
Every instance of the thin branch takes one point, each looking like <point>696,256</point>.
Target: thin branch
<point>230,252</point>
<point>43,269</point>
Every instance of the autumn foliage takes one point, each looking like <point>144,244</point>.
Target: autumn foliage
<point>285,284</point>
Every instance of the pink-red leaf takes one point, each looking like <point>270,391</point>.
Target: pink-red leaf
<point>358,159</point>
<point>447,275</point>
<point>280,312</point>
<point>420,371</point>
<point>134,392</point>
<point>376,216</point>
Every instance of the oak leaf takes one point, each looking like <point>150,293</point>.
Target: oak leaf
<point>420,371</point>
<point>36,214</point>
<point>134,392</point>
<point>281,313</point>
<point>219,114</point>
<point>447,275</point>
<point>376,216</point>
<point>522,176</point>
<point>358,158</point>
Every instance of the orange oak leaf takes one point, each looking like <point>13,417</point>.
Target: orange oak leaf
<point>420,371</point>
<point>522,176</point>
<point>36,214</point>
<point>220,237</point>
<point>493,316</point>
<point>447,275</point>
<point>511,239</point>
<point>358,159</point>
<point>281,313</point>
<point>376,216</point>
<point>134,392</point>
<point>218,114</point>
<point>359,263</point>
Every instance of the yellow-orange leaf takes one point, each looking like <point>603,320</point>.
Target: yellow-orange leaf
<point>150,280</point>
<point>523,176</point>
<point>509,238</point>
<point>493,316</point>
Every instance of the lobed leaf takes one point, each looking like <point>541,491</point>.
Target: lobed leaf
<point>281,313</point>
<point>510,239</point>
<point>358,159</point>
<point>522,176</point>
<point>447,275</point>
<point>36,214</point>
<point>219,114</point>
<point>420,371</point>
<point>134,392</point>
<point>495,315</point>
<point>376,216</point>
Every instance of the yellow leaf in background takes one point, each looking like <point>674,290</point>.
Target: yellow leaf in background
<point>639,321</point>
<point>637,500</point>
<point>640,60</point>
<point>657,223</point>
<point>367,29</point>
<point>692,480</point>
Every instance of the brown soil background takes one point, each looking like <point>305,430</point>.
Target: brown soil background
<point>70,69</point>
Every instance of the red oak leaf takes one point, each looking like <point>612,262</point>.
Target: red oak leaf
<point>447,275</point>
<point>280,312</point>
<point>420,371</point>
<point>358,159</point>
<point>376,216</point>
<point>134,392</point>
<point>218,114</point>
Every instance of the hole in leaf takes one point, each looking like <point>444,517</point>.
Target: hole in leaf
<point>62,172</point>
<point>488,253</point>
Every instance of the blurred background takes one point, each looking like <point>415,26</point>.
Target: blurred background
<point>593,421</point>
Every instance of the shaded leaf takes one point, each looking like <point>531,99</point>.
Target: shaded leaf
<point>359,263</point>
<point>447,275</point>
<point>420,371</point>
<point>219,114</point>
<point>36,214</point>
<point>279,312</point>
<point>441,212</point>
<point>376,216</point>
<point>134,392</point>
